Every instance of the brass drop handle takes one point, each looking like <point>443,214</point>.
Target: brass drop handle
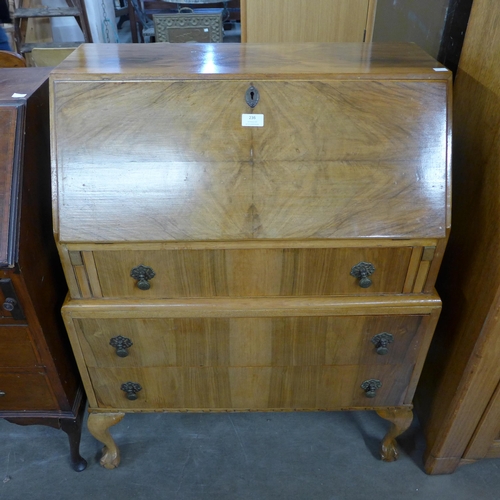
<point>121,344</point>
<point>370,387</point>
<point>361,271</point>
<point>143,274</point>
<point>10,304</point>
<point>381,341</point>
<point>131,389</point>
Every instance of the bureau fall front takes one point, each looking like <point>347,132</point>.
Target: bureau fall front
<point>250,227</point>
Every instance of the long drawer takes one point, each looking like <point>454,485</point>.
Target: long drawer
<point>250,342</point>
<point>249,272</point>
<point>251,388</point>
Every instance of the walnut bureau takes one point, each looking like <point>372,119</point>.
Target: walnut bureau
<point>250,227</point>
<point>39,379</point>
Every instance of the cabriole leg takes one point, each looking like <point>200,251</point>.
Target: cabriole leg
<point>401,419</point>
<point>73,428</point>
<point>98,425</point>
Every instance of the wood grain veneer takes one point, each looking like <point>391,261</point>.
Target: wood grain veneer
<point>246,273</point>
<point>299,21</point>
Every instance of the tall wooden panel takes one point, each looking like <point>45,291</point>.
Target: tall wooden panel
<point>306,21</point>
<point>459,393</point>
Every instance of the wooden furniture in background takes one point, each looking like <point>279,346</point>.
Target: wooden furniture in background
<point>264,235</point>
<point>459,397</point>
<point>141,14</point>
<point>11,60</point>
<point>39,381</point>
<point>200,26</point>
<point>51,57</point>
<point>306,21</point>
<point>34,10</point>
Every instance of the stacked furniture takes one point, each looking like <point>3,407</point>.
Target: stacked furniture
<point>39,381</point>
<point>250,227</point>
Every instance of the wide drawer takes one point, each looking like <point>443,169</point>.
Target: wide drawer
<point>251,388</point>
<point>249,272</point>
<point>250,342</point>
<point>25,391</point>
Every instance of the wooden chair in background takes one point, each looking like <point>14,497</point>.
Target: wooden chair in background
<point>11,60</point>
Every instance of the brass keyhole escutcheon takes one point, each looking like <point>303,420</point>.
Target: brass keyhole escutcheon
<point>370,387</point>
<point>131,389</point>
<point>381,342</point>
<point>362,271</point>
<point>121,344</point>
<point>143,274</point>
<point>252,96</point>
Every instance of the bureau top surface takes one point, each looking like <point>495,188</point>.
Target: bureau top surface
<point>165,61</point>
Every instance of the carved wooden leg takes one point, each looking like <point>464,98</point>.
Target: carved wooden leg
<point>401,419</point>
<point>73,428</point>
<point>98,425</point>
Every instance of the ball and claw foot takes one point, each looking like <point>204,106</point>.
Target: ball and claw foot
<point>98,425</point>
<point>109,460</point>
<point>401,419</point>
<point>389,451</point>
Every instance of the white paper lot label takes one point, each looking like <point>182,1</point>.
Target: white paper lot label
<point>252,120</point>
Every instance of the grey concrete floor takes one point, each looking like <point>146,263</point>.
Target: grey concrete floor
<point>238,456</point>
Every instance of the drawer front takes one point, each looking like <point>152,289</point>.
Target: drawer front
<point>25,391</point>
<point>251,388</point>
<point>16,348</point>
<point>251,342</point>
<point>249,272</point>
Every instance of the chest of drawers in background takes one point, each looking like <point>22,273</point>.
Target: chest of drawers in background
<point>250,227</point>
<point>39,380</point>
